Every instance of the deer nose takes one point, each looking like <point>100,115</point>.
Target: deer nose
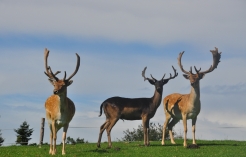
<point>55,91</point>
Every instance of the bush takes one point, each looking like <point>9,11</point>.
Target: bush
<point>155,133</point>
<point>70,140</point>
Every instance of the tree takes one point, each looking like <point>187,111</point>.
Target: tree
<point>23,134</point>
<point>155,133</point>
<point>70,140</point>
<point>1,139</point>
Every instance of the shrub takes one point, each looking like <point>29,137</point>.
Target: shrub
<point>155,133</point>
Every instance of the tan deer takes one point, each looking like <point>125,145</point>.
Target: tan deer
<point>59,108</point>
<point>144,109</point>
<point>186,106</point>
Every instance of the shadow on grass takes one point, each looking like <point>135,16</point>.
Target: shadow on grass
<point>99,150</point>
<point>166,145</point>
<point>103,150</point>
<point>217,144</point>
<point>199,144</point>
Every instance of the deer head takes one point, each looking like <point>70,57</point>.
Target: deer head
<point>59,85</point>
<point>194,78</point>
<point>159,84</point>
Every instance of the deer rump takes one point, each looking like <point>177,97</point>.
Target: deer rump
<point>127,108</point>
<point>173,103</point>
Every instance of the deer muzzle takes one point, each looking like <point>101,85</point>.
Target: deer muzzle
<point>55,91</point>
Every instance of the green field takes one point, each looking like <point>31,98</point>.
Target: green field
<point>135,149</point>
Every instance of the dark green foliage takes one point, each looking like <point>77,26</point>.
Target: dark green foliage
<point>23,134</point>
<point>155,133</point>
<point>78,140</point>
<point>70,140</point>
<point>1,139</point>
<point>33,144</point>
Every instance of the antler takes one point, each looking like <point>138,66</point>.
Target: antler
<point>172,77</point>
<point>47,68</point>
<point>216,60</point>
<point>49,72</point>
<point>76,69</point>
<point>146,78</point>
<point>180,64</point>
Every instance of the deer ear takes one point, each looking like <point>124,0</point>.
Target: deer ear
<point>151,82</point>
<point>69,82</point>
<point>201,75</point>
<point>186,76</point>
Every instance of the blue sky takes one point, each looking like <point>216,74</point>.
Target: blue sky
<point>115,41</point>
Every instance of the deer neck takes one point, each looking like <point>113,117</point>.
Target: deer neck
<point>63,99</point>
<point>156,99</point>
<point>195,93</point>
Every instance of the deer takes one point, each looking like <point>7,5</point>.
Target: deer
<point>186,106</point>
<point>59,108</point>
<point>144,109</point>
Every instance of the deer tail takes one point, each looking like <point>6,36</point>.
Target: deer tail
<point>101,109</point>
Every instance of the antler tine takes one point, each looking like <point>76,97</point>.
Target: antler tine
<point>53,75</point>
<point>216,60</point>
<point>180,64</point>
<point>47,74</point>
<point>57,72</point>
<point>191,70</point>
<point>197,71</point>
<point>152,77</point>
<point>47,68</point>
<point>65,74</point>
<point>175,74</point>
<point>77,67</point>
<point>164,76</point>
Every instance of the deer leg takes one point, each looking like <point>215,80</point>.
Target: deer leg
<point>168,117</point>
<point>194,129</point>
<point>54,137</point>
<point>109,128</point>
<point>146,131</point>
<point>102,128</point>
<point>65,127</point>
<point>51,140</point>
<point>185,129</point>
<point>170,128</point>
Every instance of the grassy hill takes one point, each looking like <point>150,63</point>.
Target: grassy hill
<point>207,148</point>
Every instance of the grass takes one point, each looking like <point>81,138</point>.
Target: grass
<point>225,148</point>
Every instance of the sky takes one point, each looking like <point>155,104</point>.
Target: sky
<point>115,41</point>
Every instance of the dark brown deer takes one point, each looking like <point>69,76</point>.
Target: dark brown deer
<point>186,106</point>
<point>116,108</point>
<point>59,108</point>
